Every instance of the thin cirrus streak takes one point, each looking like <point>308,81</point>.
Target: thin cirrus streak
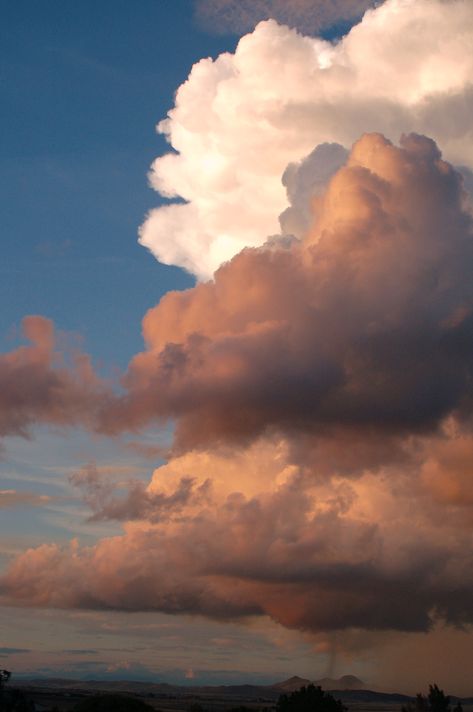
<point>322,396</point>
<point>240,119</point>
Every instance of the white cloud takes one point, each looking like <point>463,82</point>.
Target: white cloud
<point>240,120</point>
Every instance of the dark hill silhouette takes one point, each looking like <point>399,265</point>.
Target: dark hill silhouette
<point>294,683</point>
<point>347,682</point>
<point>243,693</point>
<point>112,703</point>
<point>309,699</point>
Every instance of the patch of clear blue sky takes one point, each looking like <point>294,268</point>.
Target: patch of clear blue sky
<point>83,84</point>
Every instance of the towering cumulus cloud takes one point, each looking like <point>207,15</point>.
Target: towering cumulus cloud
<point>240,120</point>
<point>322,396</point>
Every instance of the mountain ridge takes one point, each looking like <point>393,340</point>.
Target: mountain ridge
<point>241,692</point>
<point>346,682</point>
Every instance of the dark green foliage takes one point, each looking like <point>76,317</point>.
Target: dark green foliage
<point>112,703</point>
<point>309,699</point>
<point>458,707</point>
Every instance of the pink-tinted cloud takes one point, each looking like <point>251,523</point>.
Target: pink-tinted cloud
<point>13,498</point>
<point>138,502</point>
<point>240,119</point>
<point>38,386</point>
<point>312,555</point>
<point>362,327</point>
<point>322,396</point>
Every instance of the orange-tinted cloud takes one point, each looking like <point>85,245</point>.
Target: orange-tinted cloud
<point>362,326</point>
<point>138,502</point>
<point>322,397</point>
<point>314,555</point>
<point>13,498</point>
<point>38,386</point>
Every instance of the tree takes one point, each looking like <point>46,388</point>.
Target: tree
<point>112,703</point>
<point>421,703</point>
<point>309,699</point>
<point>438,701</point>
<point>5,675</point>
<point>195,707</point>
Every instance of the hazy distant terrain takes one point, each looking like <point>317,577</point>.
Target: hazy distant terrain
<point>64,694</point>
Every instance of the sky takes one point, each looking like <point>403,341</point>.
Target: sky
<point>235,344</point>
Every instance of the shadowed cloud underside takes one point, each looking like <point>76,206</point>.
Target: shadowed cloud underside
<point>321,391</point>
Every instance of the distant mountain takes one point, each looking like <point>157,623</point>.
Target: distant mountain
<point>157,689</point>
<point>291,685</point>
<point>347,688</point>
<point>347,682</point>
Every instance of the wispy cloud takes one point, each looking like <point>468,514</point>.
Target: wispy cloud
<point>14,498</point>
<point>309,16</point>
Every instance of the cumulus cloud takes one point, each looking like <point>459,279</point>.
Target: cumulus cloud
<point>363,327</point>
<point>37,385</point>
<point>100,493</point>
<point>312,555</point>
<point>304,181</point>
<point>238,16</point>
<point>240,119</point>
<point>322,398</point>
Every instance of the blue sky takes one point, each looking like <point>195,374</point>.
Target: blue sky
<point>84,83</point>
<point>83,86</point>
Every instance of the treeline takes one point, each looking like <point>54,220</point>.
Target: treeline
<point>307,699</point>
<point>435,701</point>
